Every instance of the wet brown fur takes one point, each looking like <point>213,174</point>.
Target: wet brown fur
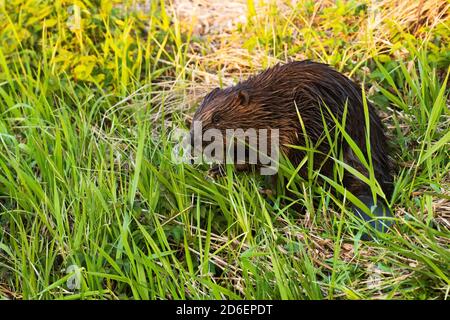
<point>271,99</point>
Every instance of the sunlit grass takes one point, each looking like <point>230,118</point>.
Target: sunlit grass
<point>87,177</point>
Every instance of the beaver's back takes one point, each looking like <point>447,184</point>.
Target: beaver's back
<point>320,93</point>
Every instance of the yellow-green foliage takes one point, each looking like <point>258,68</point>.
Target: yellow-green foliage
<point>117,46</point>
<point>347,33</point>
<point>100,42</point>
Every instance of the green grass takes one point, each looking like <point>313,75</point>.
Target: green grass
<point>86,177</point>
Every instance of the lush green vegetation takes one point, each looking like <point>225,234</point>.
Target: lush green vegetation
<point>90,95</point>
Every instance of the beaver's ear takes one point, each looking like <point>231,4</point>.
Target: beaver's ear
<point>215,90</point>
<point>243,97</point>
<point>212,94</point>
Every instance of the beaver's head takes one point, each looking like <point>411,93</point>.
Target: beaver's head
<point>244,107</point>
<point>228,108</point>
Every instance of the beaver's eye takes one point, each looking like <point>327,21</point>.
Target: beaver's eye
<point>215,118</point>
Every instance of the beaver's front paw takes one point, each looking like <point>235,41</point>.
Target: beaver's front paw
<point>381,219</point>
<point>216,171</point>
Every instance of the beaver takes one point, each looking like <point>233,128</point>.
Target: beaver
<point>320,97</point>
